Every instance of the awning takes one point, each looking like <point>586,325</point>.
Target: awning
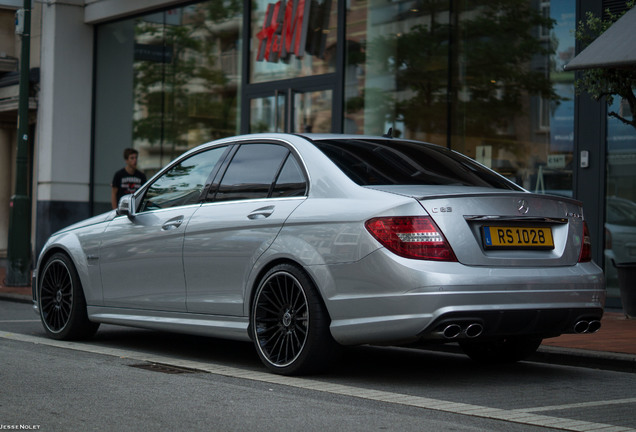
<point>615,48</point>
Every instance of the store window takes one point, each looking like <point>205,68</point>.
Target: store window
<point>620,201</point>
<point>165,82</point>
<point>292,39</point>
<point>483,78</point>
<point>396,69</point>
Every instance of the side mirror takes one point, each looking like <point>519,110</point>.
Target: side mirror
<point>126,206</point>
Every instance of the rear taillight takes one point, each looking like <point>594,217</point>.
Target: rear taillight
<point>411,237</point>
<point>586,247</point>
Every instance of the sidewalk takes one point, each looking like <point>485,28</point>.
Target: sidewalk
<point>613,346</point>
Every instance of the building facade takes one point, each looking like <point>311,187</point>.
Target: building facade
<point>484,78</point>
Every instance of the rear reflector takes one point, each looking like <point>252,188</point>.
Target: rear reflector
<point>411,237</point>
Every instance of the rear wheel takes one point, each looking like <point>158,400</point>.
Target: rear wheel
<point>61,300</point>
<point>289,323</point>
<point>504,350</point>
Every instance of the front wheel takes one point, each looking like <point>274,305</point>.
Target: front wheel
<point>504,350</point>
<point>61,300</point>
<point>289,323</point>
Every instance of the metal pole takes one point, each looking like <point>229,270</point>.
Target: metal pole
<point>19,242</point>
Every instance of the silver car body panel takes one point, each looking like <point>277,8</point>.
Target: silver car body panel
<point>131,248</point>
<point>144,272</point>
<point>372,308</point>
<point>226,327</point>
<point>223,242</point>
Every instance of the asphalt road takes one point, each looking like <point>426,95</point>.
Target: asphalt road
<point>129,379</point>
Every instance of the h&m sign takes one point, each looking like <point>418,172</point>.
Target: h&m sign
<point>285,30</point>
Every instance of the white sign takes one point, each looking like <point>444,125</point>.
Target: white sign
<point>483,155</point>
<point>556,161</point>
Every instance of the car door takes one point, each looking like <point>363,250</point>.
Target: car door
<point>141,256</point>
<point>262,185</point>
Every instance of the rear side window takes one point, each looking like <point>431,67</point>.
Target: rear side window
<point>291,181</point>
<point>396,162</point>
<point>254,171</point>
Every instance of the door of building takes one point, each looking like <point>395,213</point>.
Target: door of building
<point>296,106</point>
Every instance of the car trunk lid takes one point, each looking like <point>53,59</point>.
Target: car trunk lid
<point>504,228</point>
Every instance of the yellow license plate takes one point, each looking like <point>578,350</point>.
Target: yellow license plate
<point>517,237</point>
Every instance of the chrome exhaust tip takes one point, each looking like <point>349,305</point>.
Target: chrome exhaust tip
<point>451,331</point>
<point>581,327</point>
<point>594,326</point>
<point>474,330</point>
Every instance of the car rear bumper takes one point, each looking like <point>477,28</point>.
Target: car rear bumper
<point>388,299</point>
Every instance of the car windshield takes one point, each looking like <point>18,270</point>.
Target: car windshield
<point>395,162</point>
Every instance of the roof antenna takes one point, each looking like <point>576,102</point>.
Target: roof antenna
<point>389,133</point>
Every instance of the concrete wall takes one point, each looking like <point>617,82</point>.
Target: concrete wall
<point>64,118</point>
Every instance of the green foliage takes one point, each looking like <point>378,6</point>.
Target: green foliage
<point>186,90</point>
<point>606,82</point>
<point>491,52</point>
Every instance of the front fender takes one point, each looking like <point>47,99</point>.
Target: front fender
<point>83,251</point>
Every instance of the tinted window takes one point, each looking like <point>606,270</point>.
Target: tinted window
<point>395,162</point>
<point>291,181</point>
<point>252,171</point>
<point>183,183</point>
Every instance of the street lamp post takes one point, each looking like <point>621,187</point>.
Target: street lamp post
<point>19,241</point>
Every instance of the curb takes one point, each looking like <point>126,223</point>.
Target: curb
<point>585,358</point>
<point>18,298</point>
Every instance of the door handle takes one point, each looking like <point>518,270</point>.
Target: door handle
<point>261,213</point>
<point>172,223</point>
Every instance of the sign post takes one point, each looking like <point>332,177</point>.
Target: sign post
<point>19,242</point>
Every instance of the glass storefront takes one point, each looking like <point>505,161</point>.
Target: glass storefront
<point>484,78</point>
<point>620,198</point>
<point>481,77</point>
<point>292,39</point>
<point>292,66</point>
<point>165,82</point>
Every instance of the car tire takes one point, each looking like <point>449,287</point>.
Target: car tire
<point>61,301</point>
<point>289,323</point>
<point>504,350</point>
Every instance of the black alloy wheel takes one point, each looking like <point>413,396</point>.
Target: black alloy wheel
<point>289,323</point>
<point>61,300</point>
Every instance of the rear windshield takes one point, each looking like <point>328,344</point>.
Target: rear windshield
<point>395,162</point>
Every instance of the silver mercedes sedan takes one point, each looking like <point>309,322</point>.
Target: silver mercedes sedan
<point>307,243</point>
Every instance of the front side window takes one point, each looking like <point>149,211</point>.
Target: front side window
<point>252,172</point>
<point>183,183</point>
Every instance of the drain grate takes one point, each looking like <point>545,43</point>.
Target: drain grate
<point>156,367</point>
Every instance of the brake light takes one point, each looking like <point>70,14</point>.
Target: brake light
<point>411,237</point>
<point>586,247</point>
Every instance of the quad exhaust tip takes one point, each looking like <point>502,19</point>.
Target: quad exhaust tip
<point>587,326</point>
<point>475,329</point>
<point>471,330</point>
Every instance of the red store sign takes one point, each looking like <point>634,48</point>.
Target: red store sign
<point>284,30</point>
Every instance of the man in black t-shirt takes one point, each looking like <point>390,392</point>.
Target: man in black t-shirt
<point>128,179</point>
